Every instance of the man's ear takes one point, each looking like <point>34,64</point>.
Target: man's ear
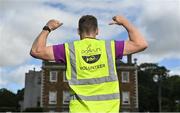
<point>97,31</point>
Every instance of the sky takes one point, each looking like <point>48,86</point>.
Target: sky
<point>22,20</point>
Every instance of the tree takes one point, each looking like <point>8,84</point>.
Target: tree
<point>20,97</point>
<point>171,93</point>
<point>148,89</point>
<point>20,94</point>
<point>8,100</point>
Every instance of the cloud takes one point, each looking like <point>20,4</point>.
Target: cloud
<point>160,21</point>
<point>20,24</point>
<point>175,71</point>
<point>15,78</point>
<point>22,21</point>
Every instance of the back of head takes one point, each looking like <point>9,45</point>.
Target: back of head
<point>88,24</point>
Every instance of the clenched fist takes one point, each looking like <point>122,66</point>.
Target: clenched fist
<point>53,24</point>
<point>119,20</point>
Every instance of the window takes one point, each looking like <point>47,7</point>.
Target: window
<point>38,101</point>
<point>53,76</point>
<point>66,97</point>
<point>39,80</point>
<point>125,98</point>
<point>52,97</point>
<point>64,77</point>
<point>125,77</point>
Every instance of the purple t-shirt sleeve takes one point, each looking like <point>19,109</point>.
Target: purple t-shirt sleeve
<point>59,53</point>
<point>119,49</point>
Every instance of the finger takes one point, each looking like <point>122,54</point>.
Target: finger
<point>112,23</point>
<point>60,24</point>
<point>114,18</point>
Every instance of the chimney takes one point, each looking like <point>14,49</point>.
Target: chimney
<point>129,59</point>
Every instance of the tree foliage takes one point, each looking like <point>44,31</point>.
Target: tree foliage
<point>9,101</point>
<point>148,89</point>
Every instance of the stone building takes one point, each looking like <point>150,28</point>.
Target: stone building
<point>32,91</point>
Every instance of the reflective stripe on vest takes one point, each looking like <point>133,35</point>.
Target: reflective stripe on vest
<point>96,97</point>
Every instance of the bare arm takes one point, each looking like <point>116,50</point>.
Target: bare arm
<point>39,49</point>
<point>136,42</point>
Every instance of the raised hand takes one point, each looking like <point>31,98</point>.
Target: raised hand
<point>53,24</point>
<point>119,20</point>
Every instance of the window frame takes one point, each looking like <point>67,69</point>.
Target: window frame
<point>65,103</point>
<point>50,76</point>
<point>123,102</point>
<point>51,102</point>
<point>128,77</point>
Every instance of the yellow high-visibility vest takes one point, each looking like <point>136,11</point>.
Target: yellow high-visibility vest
<point>92,77</point>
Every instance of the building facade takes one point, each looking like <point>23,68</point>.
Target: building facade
<point>32,91</point>
<point>55,94</point>
<point>127,74</point>
<point>53,87</point>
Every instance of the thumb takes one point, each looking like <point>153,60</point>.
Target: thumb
<point>112,23</point>
<point>60,24</point>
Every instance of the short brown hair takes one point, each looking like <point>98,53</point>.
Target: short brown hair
<point>87,24</point>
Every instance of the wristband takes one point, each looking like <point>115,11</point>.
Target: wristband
<point>47,28</point>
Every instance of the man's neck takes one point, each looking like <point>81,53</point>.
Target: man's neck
<point>87,36</point>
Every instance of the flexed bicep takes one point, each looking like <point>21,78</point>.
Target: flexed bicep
<point>130,47</point>
<point>45,53</point>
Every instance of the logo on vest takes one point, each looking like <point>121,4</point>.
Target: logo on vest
<point>91,55</point>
